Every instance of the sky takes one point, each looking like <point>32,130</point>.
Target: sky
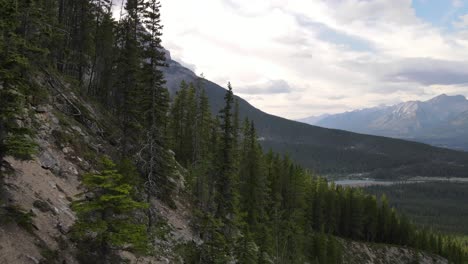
<point>297,58</point>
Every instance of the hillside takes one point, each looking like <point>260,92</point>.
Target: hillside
<point>43,189</point>
<point>331,151</point>
<point>440,121</point>
<point>100,165</point>
<point>440,205</point>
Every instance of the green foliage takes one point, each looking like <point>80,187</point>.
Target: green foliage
<point>14,214</point>
<point>107,213</point>
<point>283,213</point>
<point>49,256</point>
<point>215,247</point>
<point>15,138</point>
<point>20,145</point>
<point>188,252</point>
<point>442,206</point>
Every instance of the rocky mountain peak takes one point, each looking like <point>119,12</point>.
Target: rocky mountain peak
<point>446,99</point>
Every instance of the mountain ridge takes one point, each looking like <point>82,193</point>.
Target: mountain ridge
<point>433,121</point>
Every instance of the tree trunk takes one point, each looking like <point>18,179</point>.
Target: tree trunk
<point>2,150</point>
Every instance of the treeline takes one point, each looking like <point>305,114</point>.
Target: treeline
<point>274,210</point>
<point>439,205</point>
<point>251,207</point>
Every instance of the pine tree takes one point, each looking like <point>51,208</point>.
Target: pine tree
<point>321,246</point>
<point>370,218</point>
<point>227,194</point>
<point>355,203</point>
<point>319,204</point>
<point>129,87</point>
<point>204,158</point>
<point>332,209</point>
<point>178,122</point>
<point>247,249</point>
<point>333,251</point>
<point>107,214</point>
<point>383,220</point>
<point>103,42</point>
<point>153,107</point>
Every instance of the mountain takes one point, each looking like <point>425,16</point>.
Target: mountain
<point>440,121</point>
<point>313,119</point>
<point>332,151</point>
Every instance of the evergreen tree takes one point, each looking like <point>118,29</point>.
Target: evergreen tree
<point>370,218</point>
<point>153,106</point>
<point>129,87</point>
<point>226,184</point>
<point>383,220</point>
<point>107,214</point>
<point>178,120</point>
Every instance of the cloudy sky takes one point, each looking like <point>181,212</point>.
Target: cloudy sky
<point>296,58</point>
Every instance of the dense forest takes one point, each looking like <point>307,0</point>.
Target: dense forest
<point>249,206</point>
<point>442,206</point>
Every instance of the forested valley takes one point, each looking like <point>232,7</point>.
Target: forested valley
<point>248,205</point>
<point>438,205</point>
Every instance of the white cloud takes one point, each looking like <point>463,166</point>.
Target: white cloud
<point>462,22</point>
<point>334,55</point>
<point>457,3</point>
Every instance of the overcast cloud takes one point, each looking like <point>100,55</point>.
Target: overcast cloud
<point>296,58</point>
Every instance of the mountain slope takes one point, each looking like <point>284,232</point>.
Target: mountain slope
<point>330,151</point>
<point>313,119</point>
<point>43,189</point>
<point>439,121</point>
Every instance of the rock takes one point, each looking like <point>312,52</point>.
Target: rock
<point>73,170</point>
<point>52,184</point>
<point>42,109</point>
<point>33,259</point>
<point>67,150</point>
<point>48,161</point>
<point>165,260</point>
<point>42,206</point>
<point>54,120</point>
<point>78,129</point>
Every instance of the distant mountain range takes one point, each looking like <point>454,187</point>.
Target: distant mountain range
<point>331,151</point>
<point>440,121</point>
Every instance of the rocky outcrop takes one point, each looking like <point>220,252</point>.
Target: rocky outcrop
<point>366,253</point>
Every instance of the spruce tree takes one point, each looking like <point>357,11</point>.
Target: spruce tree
<point>370,218</point>
<point>128,86</point>
<point>107,214</point>
<point>204,158</point>
<point>153,107</point>
<point>227,196</point>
